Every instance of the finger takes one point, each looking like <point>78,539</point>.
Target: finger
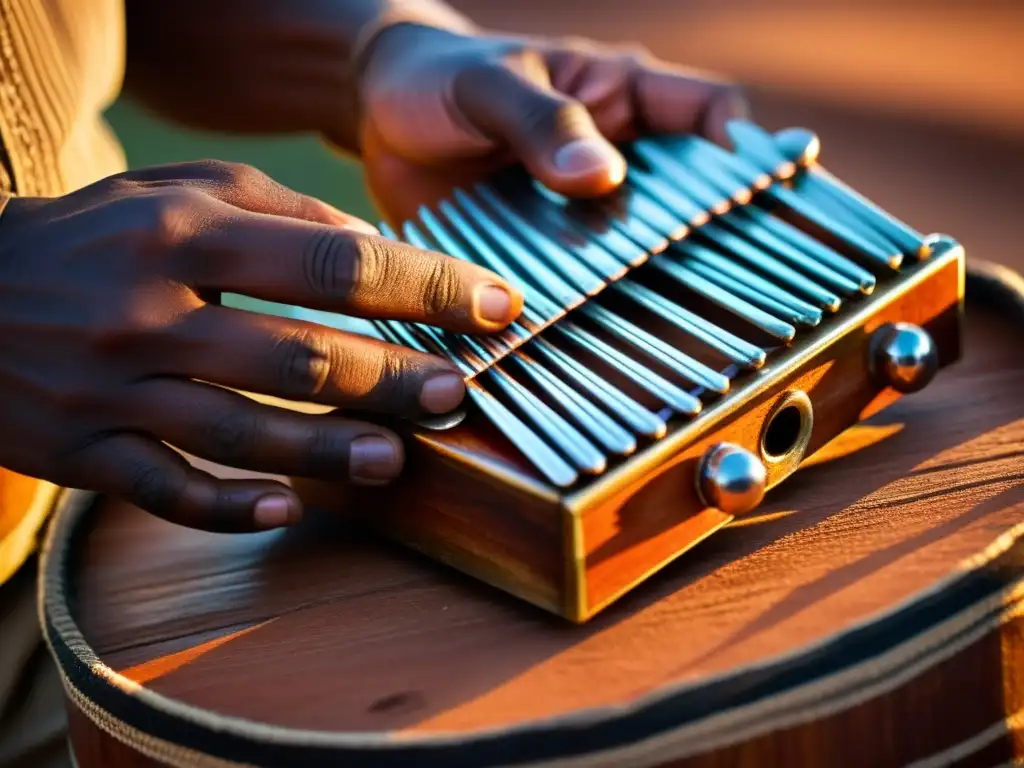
<point>233,430</point>
<point>248,188</point>
<point>307,362</point>
<point>160,481</point>
<point>327,268</point>
<point>670,99</point>
<point>552,134</point>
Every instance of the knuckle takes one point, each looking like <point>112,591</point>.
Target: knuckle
<point>71,401</point>
<point>152,489</point>
<point>165,218</point>
<point>232,436</point>
<point>301,364</point>
<point>550,113</point>
<point>391,379</point>
<point>442,288</point>
<point>634,54</point>
<point>245,176</point>
<point>332,262</point>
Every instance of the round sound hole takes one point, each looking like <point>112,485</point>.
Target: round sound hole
<point>784,432</point>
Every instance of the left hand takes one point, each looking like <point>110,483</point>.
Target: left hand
<point>442,110</point>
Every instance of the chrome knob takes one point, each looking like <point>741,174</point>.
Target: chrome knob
<point>731,479</point>
<point>903,356</point>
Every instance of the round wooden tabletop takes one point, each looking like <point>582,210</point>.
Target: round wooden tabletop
<point>325,628</point>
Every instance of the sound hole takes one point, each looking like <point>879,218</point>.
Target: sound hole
<point>783,432</point>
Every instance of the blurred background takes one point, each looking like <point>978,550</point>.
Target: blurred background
<point>919,103</point>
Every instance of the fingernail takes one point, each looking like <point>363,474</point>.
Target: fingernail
<point>275,511</point>
<point>493,304</point>
<point>373,459</point>
<point>362,226</point>
<point>443,393</point>
<point>585,156</point>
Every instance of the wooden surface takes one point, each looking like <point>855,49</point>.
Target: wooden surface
<point>317,629</point>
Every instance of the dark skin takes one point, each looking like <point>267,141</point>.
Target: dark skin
<point>111,352</point>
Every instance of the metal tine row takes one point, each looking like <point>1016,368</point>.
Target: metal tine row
<point>742,353</point>
<point>600,426</point>
<point>756,153</point>
<point>468,352</point>
<point>706,180</point>
<point>797,149</point>
<point>534,447</point>
<point>717,268</point>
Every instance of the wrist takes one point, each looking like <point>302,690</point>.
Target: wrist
<point>394,19</point>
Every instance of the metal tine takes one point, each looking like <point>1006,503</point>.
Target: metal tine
<point>568,295</point>
<point>688,153</point>
<point>786,232</point>
<point>682,177</point>
<point>563,435</point>
<point>759,236</point>
<point>538,309</point>
<point>803,147</point>
<point>402,337</point>
<point>696,255</point>
<point>655,204</point>
<point>819,195</point>
<point>724,180</point>
<point>596,259</point>
<point>770,316</point>
<point>538,452</point>
<point>634,415</point>
<point>806,314</point>
<point>643,234</point>
<point>906,238</point>
<point>599,425</point>
<point>676,398</point>
<point>760,150</point>
<point>679,362</point>
<point>743,249</point>
<point>611,240</point>
<point>680,205</point>
<point>450,347</point>
<point>741,352</point>
<point>743,173</point>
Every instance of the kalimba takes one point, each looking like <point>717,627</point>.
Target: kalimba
<point>685,344</point>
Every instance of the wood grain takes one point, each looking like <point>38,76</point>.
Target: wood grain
<point>354,636</point>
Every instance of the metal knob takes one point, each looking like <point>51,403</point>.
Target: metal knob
<point>903,356</point>
<point>731,479</point>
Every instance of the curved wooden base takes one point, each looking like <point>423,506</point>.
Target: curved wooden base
<point>869,616</point>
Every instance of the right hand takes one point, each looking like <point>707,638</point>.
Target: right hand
<point>108,355</point>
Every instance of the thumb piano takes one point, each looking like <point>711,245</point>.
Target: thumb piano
<point>685,345</point>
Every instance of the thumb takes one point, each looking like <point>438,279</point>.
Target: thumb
<point>553,135</point>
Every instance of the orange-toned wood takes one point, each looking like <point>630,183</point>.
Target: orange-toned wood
<point>650,522</point>
<point>16,495</point>
<point>461,500</point>
<point>325,628</point>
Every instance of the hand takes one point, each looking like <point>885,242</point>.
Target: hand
<point>441,110</point>
<point>108,353</point>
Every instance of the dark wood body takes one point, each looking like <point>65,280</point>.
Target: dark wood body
<point>868,615</point>
<point>469,500</point>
